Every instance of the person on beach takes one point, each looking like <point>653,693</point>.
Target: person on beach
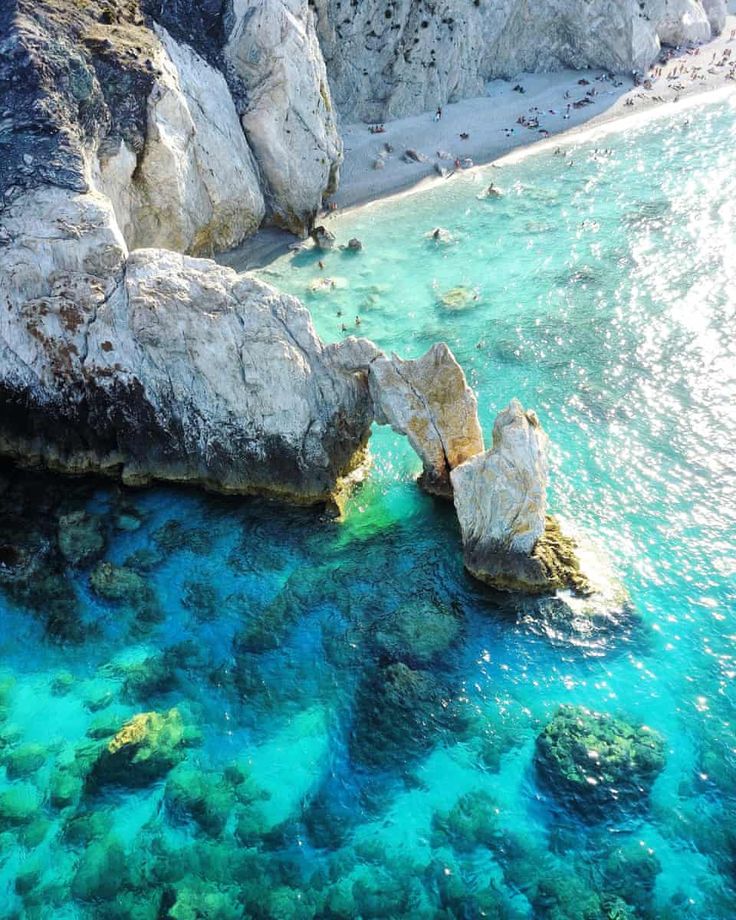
<point>438,113</point>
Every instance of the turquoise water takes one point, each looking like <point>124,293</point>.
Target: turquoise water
<point>356,719</point>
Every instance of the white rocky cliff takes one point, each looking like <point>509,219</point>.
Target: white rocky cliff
<point>288,118</point>
<point>390,60</point>
<point>155,365</point>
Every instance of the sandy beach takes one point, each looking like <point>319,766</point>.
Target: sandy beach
<point>483,130</point>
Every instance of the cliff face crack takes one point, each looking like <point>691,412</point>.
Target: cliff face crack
<point>95,312</point>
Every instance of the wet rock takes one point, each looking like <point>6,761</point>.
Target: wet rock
<point>142,751</point>
<point>354,245</point>
<point>80,538</point>
<point>500,496</point>
<point>323,238</point>
<point>594,760</point>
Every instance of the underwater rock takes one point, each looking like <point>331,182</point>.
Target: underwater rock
<point>19,804</point>
<point>202,599</point>
<point>174,536</point>
<point>24,760</point>
<point>594,760</point>
<point>500,496</point>
<point>399,711</point>
<point>65,789</point>
<point>102,871</point>
<point>430,402</point>
<point>193,795</point>
<point>630,873</point>
<point>418,631</point>
<point>471,822</point>
<point>124,586</point>
<point>458,298</point>
<point>80,537</point>
<point>142,751</point>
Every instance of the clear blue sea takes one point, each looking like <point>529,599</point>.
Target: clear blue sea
<point>360,716</point>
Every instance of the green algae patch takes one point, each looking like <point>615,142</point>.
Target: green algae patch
<point>591,759</point>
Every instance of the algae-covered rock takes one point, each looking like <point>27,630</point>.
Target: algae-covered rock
<point>142,751</point>
<point>24,760</point>
<point>594,759</point>
<point>101,872</point>
<point>418,631</point>
<point>207,799</point>
<point>471,822</point>
<point>118,583</point>
<point>195,899</point>
<point>174,536</point>
<point>202,599</point>
<point>65,788</point>
<point>122,585</point>
<point>62,683</point>
<point>18,805</point>
<point>80,537</point>
<point>630,874</point>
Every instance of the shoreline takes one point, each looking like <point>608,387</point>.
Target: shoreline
<point>495,137</point>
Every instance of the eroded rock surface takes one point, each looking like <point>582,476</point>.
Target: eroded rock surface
<point>288,117</point>
<point>156,365</point>
<point>427,399</point>
<point>390,62</point>
<point>509,540</point>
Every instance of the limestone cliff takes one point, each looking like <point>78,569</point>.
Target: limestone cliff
<point>386,60</point>
<point>155,365</point>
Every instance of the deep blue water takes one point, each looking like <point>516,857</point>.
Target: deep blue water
<point>344,685</point>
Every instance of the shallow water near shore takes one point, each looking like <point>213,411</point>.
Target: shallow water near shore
<point>317,774</point>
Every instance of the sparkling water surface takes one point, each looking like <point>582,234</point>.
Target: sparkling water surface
<point>600,289</point>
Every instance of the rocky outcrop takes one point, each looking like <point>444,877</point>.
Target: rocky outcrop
<point>427,399</point>
<point>386,62</point>
<point>500,497</point>
<point>288,118</point>
<point>155,365</point>
<point>107,98</point>
<point>195,186</point>
<point>430,402</point>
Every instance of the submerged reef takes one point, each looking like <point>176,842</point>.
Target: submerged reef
<point>592,761</point>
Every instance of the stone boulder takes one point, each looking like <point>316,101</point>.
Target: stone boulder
<point>288,119</point>
<point>593,760</point>
<point>500,497</point>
